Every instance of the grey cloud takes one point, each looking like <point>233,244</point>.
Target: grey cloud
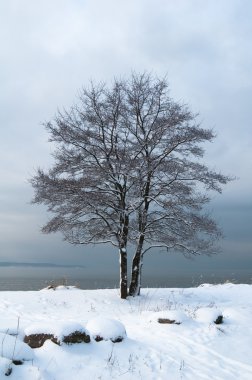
<point>50,49</point>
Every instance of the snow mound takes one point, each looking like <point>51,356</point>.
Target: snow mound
<point>169,317</point>
<point>40,328</point>
<point>12,348</point>
<point>106,329</point>
<point>208,314</point>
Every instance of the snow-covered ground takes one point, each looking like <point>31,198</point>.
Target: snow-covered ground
<point>193,347</point>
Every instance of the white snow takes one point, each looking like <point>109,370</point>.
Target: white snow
<point>106,328</point>
<point>5,364</point>
<point>173,315</point>
<point>195,349</point>
<point>207,314</point>
<point>12,348</point>
<point>9,327</point>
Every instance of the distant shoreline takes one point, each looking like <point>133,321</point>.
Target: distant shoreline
<point>39,265</point>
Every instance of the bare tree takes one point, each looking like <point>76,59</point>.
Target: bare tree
<point>172,184</point>
<point>127,170</point>
<point>87,188</point>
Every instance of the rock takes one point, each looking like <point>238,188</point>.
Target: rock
<point>171,317</point>
<point>8,371</point>
<point>37,340</point>
<point>219,320</point>
<point>76,337</point>
<point>17,362</point>
<point>168,321</point>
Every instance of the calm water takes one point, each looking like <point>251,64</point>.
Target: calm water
<point>27,278</point>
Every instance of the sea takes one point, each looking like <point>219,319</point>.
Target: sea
<point>29,277</point>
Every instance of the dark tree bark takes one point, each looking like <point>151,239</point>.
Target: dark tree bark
<point>123,257</point>
<point>136,270</point>
<point>123,273</point>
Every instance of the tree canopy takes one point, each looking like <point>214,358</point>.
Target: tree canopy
<point>127,170</point>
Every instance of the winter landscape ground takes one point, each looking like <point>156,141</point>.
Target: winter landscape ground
<point>193,347</point>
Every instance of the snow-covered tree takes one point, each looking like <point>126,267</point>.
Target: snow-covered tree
<point>127,170</point>
<point>171,183</point>
<point>87,188</point>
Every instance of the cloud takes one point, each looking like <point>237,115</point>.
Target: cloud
<point>50,49</point>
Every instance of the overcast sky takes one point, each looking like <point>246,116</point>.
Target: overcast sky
<point>51,48</point>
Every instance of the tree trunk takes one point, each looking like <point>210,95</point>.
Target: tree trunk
<point>123,255</point>
<point>136,270</point>
<point>137,263</point>
<point>123,273</point>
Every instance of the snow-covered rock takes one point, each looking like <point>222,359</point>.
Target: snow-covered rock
<point>37,340</point>
<point>106,329</point>
<point>60,332</point>
<point>169,317</point>
<point>59,287</point>
<point>12,348</point>
<point>209,315</point>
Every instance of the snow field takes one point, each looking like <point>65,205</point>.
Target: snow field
<point>196,348</point>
